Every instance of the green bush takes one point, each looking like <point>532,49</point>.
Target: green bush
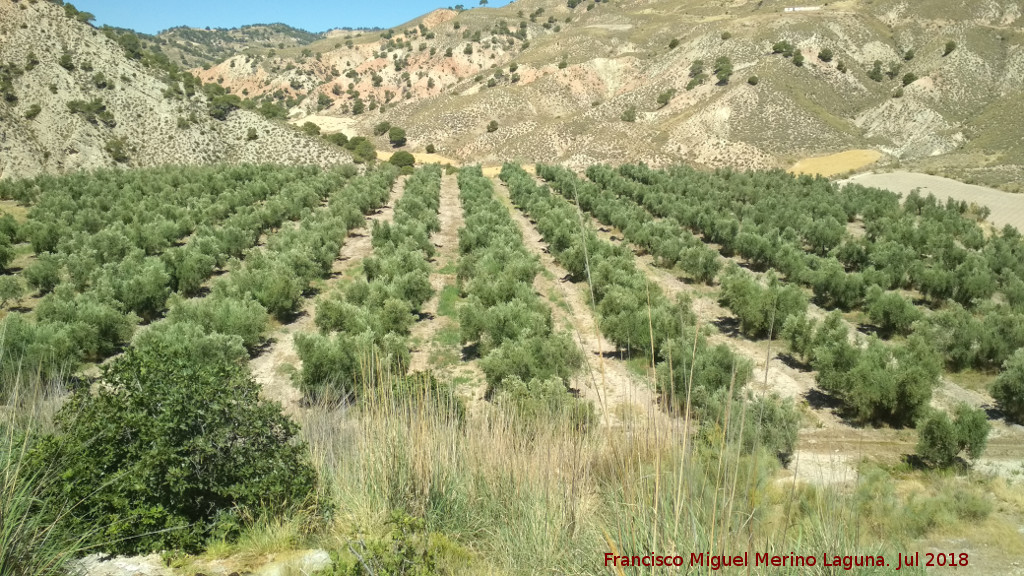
<point>492,126</point>
<point>542,402</point>
<point>1008,388</point>
<point>396,136</point>
<point>753,80</point>
<point>941,440</point>
<point>891,312</point>
<point>33,111</point>
<point>44,273</point>
<point>11,289</point>
<point>825,55</point>
<point>185,339</point>
<point>402,159</point>
<point>168,452</point>
<point>950,46</point>
<point>311,129</point>
<point>381,128</point>
<point>629,114</point>
<point>723,69</point>
<point>762,310</point>
<point>244,318</point>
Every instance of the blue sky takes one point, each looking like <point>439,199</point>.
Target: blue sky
<point>316,16</point>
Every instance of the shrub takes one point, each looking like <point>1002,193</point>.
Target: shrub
<point>251,135</point>
<point>311,129</point>
<point>762,311</point>
<point>629,114</point>
<point>876,71</point>
<point>941,440</point>
<point>673,44</point>
<point>162,426</point>
<point>492,126</point>
<point>402,159</point>
<point>783,47</point>
<point>892,313</point>
<point>431,149</point>
<point>798,57</point>
<point>540,402</point>
<point>188,340</point>
<point>66,62</point>
<point>44,273</point>
<point>908,55</point>
<point>950,46</point>
<point>665,97</point>
<point>11,289</point>
<point>726,35</point>
<point>338,139</point>
<point>753,80</point>
<point>381,128</point>
<point>362,150</point>
<point>723,69</point>
<point>118,148</point>
<point>33,111</point>
<point>244,318</point>
<point>1008,388</point>
<point>396,136</point>
<point>825,55</point>
<point>909,78</point>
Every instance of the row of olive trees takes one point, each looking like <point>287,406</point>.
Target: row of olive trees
<point>98,266</point>
<point>502,316</point>
<point>665,239</point>
<point>272,279</point>
<point>798,226</point>
<point>371,317</point>
<point>693,376</point>
<point>795,225</point>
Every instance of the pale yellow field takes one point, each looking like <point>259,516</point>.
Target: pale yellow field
<point>421,158</point>
<point>836,163</point>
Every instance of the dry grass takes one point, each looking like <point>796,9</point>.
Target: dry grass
<point>835,164</point>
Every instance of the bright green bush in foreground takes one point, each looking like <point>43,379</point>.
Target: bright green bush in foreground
<point>168,451</point>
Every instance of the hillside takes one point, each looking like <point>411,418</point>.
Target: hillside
<point>559,81</point>
<point>191,47</point>
<point>73,100</point>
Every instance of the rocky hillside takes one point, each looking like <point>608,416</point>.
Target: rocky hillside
<point>626,80</point>
<point>72,98</point>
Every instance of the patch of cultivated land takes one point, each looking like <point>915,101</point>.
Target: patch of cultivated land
<point>828,448</point>
<point>1006,208</point>
<point>271,367</point>
<point>429,333</point>
<point>606,381</point>
<point>834,164</point>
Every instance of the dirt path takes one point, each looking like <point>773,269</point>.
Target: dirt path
<point>1006,208</point>
<point>614,390</point>
<point>270,367</point>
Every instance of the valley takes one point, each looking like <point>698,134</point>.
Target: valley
<point>503,290</point>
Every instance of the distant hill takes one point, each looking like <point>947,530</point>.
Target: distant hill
<point>74,98</point>
<point>193,47</point>
<point>617,81</point>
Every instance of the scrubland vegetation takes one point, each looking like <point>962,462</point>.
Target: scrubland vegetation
<point>173,279</point>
